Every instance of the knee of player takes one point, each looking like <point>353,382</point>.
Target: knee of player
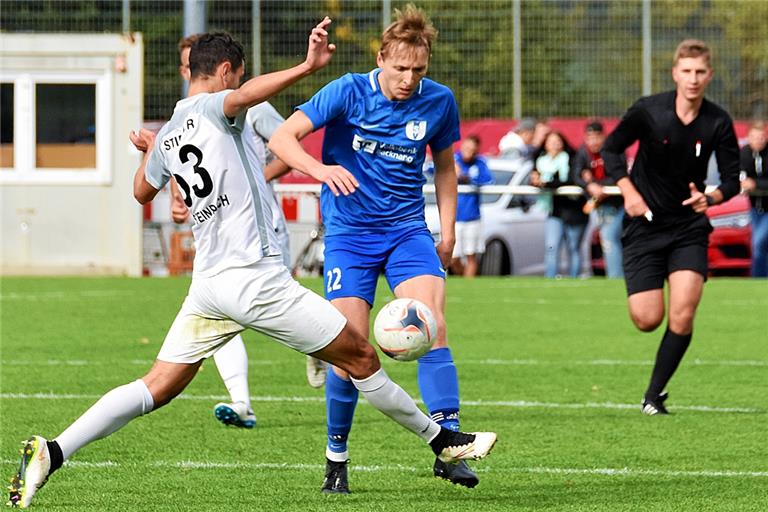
<point>364,363</point>
<point>648,321</point>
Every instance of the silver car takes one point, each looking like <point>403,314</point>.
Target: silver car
<point>513,228</point>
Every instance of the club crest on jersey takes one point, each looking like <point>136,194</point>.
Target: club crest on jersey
<point>416,130</point>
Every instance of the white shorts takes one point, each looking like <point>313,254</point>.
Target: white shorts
<point>263,297</point>
<point>468,239</point>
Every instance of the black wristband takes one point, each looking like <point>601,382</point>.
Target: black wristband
<point>710,200</point>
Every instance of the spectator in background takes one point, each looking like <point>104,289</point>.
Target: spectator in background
<point>588,171</point>
<point>471,169</point>
<point>566,217</point>
<point>518,144</point>
<point>754,162</point>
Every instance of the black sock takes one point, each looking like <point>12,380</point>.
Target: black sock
<point>671,351</point>
<point>57,458</point>
<point>440,441</point>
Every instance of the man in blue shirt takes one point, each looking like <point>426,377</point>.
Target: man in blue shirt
<point>471,169</point>
<point>377,129</point>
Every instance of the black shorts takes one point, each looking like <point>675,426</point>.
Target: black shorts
<point>652,252</point>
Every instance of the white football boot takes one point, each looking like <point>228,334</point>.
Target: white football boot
<point>317,371</point>
<point>236,414</point>
<point>33,472</point>
<point>462,446</point>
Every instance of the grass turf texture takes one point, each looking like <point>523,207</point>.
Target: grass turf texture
<point>536,352</point>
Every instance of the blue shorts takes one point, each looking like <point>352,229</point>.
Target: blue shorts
<point>353,263</point>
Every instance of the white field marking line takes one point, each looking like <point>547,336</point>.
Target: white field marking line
<point>490,362</point>
<point>470,403</point>
<point>458,299</point>
<point>610,362</point>
<point>205,465</point>
<point>58,295</point>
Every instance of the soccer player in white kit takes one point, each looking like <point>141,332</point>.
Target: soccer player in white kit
<point>239,280</point>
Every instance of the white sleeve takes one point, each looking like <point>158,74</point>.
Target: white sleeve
<point>155,171</point>
<point>264,119</point>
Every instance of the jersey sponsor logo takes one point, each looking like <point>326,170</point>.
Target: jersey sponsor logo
<point>416,130</point>
<point>205,213</point>
<point>383,149</point>
<point>361,144</point>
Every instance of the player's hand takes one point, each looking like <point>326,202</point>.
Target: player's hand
<point>320,50</point>
<point>179,210</point>
<point>445,251</point>
<point>635,205</point>
<point>144,140</point>
<point>338,179</point>
<point>697,201</point>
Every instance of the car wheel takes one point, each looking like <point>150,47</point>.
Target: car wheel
<point>496,260</point>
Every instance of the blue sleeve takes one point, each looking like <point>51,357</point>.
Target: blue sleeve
<point>449,131</point>
<point>328,103</point>
<point>484,176</point>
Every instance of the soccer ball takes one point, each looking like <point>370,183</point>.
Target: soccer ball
<point>405,329</point>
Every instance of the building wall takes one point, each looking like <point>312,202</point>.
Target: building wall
<point>84,219</point>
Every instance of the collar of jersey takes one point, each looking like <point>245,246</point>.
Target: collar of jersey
<point>376,87</point>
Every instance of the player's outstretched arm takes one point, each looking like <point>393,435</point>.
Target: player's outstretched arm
<point>446,193</point>
<point>145,142</point>
<point>261,88</point>
<point>286,146</point>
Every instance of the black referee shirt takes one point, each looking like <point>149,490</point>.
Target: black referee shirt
<point>671,154</point>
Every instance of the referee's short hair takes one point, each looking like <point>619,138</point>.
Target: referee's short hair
<point>210,50</point>
<point>692,48</point>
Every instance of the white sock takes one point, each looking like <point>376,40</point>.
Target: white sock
<point>232,361</point>
<point>113,411</point>
<point>392,400</point>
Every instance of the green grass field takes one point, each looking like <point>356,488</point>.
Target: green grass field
<point>555,367</point>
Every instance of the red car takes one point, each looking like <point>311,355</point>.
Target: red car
<point>730,247</point>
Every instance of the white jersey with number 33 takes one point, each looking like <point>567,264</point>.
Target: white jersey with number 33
<point>214,161</point>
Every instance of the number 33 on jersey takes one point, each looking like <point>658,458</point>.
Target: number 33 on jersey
<point>214,161</point>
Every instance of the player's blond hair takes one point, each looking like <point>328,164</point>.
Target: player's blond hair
<point>692,48</point>
<point>412,27</point>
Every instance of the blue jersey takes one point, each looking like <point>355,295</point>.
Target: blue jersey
<point>468,205</point>
<point>383,143</point>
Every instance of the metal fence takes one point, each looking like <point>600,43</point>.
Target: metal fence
<point>502,58</point>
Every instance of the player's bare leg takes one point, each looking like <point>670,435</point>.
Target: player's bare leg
<point>111,412</point>
<point>685,289</point>
<point>438,379</point>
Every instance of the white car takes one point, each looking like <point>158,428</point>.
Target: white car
<point>513,228</point>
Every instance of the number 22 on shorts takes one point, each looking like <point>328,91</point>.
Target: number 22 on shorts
<point>333,280</point>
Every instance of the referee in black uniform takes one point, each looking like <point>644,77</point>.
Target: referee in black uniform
<point>666,232</point>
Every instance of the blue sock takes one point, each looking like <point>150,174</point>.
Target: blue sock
<point>439,385</point>
<point>340,401</point>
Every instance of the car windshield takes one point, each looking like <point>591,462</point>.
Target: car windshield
<point>500,177</point>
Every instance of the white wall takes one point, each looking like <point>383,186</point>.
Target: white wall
<point>83,221</point>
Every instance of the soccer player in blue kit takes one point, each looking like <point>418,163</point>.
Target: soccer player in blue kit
<point>377,129</point>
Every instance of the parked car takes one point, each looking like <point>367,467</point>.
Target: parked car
<point>512,228</point>
<point>730,251</point>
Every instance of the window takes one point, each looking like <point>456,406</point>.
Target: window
<point>65,128</point>
<point>6,125</point>
<point>55,128</point>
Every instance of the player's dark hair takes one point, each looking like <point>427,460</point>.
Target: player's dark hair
<point>474,138</point>
<point>412,28</point>
<point>210,50</point>
<point>187,42</point>
<point>692,48</point>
